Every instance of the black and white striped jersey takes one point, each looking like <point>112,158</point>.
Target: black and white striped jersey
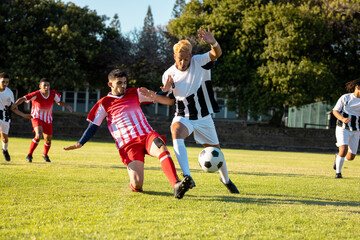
<point>192,89</point>
<point>349,106</point>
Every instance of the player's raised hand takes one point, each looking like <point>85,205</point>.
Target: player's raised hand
<point>76,146</point>
<point>147,93</point>
<point>206,36</point>
<point>168,84</point>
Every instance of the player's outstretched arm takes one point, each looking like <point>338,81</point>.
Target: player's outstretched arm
<point>155,97</point>
<point>76,146</point>
<point>89,132</point>
<point>208,38</point>
<point>61,103</point>
<point>20,113</point>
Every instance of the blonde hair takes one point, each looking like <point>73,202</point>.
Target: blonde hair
<point>183,46</point>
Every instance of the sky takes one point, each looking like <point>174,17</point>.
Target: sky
<point>131,12</point>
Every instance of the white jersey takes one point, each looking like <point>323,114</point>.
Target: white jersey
<point>192,89</point>
<point>349,106</point>
<point>6,99</point>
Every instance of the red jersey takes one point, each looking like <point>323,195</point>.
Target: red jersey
<point>41,107</point>
<point>125,118</point>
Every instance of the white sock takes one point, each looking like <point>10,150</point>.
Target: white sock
<point>5,145</point>
<point>339,163</point>
<point>181,155</point>
<point>224,173</point>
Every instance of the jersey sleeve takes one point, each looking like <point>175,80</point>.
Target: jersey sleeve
<point>97,114</point>
<point>202,59</point>
<point>57,97</point>
<point>340,103</point>
<point>30,96</point>
<point>12,97</point>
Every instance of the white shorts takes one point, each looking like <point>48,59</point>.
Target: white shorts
<point>4,127</point>
<point>204,129</point>
<point>346,137</point>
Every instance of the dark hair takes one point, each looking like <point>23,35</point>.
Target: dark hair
<point>4,75</point>
<point>116,73</point>
<point>350,86</point>
<point>44,80</point>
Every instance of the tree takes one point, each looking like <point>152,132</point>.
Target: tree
<point>48,38</point>
<point>278,52</point>
<point>178,8</point>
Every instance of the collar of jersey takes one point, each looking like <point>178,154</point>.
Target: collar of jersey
<point>110,95</point>
<point>43,95</point>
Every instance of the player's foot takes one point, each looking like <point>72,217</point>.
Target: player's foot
<point>46,158</point>
<point>334,166</point>
<point>230,186</point>
<point>192,181</point>
<point>338,175</point>
<point>6,155</point>
<point>182,187</point>
<point>29,158</point>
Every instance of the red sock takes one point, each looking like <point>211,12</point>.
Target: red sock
<point>46,149</point>
<point>33,145</point>
<point>168,167</point>
<point>135,189</point>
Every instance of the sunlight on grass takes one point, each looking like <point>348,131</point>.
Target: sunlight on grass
<point>84,194</point>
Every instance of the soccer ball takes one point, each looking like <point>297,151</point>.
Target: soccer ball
<point>211,159</point>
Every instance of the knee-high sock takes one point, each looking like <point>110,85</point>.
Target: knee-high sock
<point>224,173</point>
<point>46,148</point>
<point>168,167</point>
<point>181,155</point>
<point>339,163</point>
<point>5,145</point>
<point>33,145</point>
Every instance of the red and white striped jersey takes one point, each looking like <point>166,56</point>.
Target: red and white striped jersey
<point>125,118</point>
<point>41,106</point>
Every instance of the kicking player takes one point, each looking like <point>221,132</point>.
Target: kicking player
<point>347,111</point>
<point>6,101</point>
<point>190,89</point>
<point>42,102</point>
<point>132,133</point>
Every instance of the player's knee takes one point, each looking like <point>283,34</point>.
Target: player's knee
<point>159,142</point>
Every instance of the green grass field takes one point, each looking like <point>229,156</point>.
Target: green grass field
<point>84,194</point>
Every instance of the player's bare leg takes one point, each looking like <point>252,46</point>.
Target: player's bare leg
<point>5,142</point>
<point>158,149</point>
<point>136,175</point>
<point>47,145</point>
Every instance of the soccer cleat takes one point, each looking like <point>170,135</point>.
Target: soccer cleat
<point>29,158</point>
<point>46,158</point>
<point>182,187</point>
<point>230,186</point>
<point>192,181</point>
<point>6,155</point>
<point>338,175</point>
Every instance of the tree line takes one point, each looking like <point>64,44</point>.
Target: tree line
<point>275,53</point>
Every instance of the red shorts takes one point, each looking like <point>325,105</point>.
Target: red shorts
<point>138,147</point>
<point>47,127</point>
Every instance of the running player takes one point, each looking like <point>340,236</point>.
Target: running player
<point>6,101</point>
<point>347,111</point>
<point>132,133</point>
<point>42,102</point>
<point>190,89</point>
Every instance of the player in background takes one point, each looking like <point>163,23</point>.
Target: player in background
<point>6,101</point>
<point>347,111</point>
<point>189,84</point>
<point>42,102</point>
<point>132,133</point>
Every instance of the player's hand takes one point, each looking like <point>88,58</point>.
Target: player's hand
<point>69,108</point>
<point>147,93</point>
<point>28,116</point>
<point>346,120</point>
<point>76,146</point>
<point>168,84</point>
<point>206,36</point>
